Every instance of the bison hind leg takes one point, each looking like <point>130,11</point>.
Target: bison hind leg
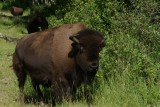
<point>21,75</point>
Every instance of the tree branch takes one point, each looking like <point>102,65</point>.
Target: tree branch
<point>9,39</point>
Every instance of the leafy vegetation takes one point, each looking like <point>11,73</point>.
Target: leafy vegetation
<point>129,73</point>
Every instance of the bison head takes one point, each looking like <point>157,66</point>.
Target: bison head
<point>43,22</point>
<point>86,47</point>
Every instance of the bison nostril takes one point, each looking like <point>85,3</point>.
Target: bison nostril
<point>94,66</point>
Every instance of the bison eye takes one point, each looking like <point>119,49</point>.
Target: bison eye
<point>81,48</point>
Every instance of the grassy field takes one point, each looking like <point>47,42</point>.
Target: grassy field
<point>129,75</point>
<point>8,81</point>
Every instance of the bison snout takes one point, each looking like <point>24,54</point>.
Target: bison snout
<point>93,66</point>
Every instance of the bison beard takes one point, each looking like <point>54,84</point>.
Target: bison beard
<point>62,58</point>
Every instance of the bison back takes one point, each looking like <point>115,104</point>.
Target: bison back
<point>45,54</point>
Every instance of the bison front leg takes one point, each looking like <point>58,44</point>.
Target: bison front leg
<point>61,91</point>
<point>37,89</point>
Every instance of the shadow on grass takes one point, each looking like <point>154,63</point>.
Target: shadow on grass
<point>32,98</point>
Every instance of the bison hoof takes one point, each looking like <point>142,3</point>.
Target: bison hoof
<point>21,98</point>
<point>40,104</point>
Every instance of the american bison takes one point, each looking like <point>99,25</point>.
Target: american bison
<point>37,21</point>
<point>62,58</point>
<point>16,11</point>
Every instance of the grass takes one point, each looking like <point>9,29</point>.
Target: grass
<point>8,91</point>
<point>8,81</point>
<point>121,92</point>
<point>124,60</point>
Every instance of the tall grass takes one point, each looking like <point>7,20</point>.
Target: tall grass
<point>129,73</point>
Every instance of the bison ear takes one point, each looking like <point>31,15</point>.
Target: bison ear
<point>103,43</point>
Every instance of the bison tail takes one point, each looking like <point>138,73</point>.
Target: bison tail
<point>17,64</point>
<point>21,75</point>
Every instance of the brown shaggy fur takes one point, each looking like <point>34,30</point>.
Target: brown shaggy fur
<point>63,58</point>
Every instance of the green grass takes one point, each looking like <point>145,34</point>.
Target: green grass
<point>8,90</point>
<point>130,65</point>
<point>121,92</point>
<point>7,27</point>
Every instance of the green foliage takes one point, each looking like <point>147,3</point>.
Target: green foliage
<point>130,62</point>
<point>132,44</point>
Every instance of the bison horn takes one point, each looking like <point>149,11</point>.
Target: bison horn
<point>74,39</point>
<point>103,42</point>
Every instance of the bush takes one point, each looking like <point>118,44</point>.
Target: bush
<point>132,42</point>
<point>131,58</point>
